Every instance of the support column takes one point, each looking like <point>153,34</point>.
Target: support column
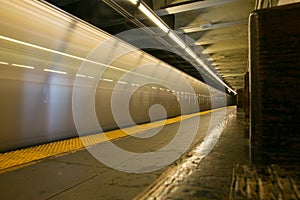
<point>246,95</point>
<point>275,77</point>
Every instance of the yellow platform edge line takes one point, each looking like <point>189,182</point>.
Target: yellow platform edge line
<point>11,160</point>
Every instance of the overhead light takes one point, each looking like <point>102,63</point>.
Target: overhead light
<point>200,62</point>
<point>23,66</point>
<point>213,74</point>
<point>176,39</point>
<point>55,71</point>
<point>153,18</point>
<point>134,1</point>
<point>150,15</point>
<point>191,53</point>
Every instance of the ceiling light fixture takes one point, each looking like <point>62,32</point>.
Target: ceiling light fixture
<point>153,17</point>
<point>191,53</point>
<point>134,1</point>
<point>176,39</point>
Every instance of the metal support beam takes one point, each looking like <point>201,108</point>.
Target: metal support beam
<point>210,26</point>
<point>214,50</point>
<point>191,6</point>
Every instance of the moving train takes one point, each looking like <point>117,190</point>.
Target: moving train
<point>57,71</point>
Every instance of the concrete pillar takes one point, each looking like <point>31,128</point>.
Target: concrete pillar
<point>246,95</point>
<point>275,77</point>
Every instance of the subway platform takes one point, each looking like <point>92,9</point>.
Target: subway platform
<point>219,165</point>
<point>230,171</point>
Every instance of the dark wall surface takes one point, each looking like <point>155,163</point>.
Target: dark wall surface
<point>275,76</point>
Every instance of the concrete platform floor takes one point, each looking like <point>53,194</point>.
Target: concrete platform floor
<point>79,175</point>
<point>198,177</point>
<point>219,165</point>
<point>230,171</point>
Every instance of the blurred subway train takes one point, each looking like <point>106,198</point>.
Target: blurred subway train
<point>53,64</point>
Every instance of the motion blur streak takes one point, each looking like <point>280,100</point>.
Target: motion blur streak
<point>36,106</point>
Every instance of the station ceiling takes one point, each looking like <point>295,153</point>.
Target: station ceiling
<point>217,31</point>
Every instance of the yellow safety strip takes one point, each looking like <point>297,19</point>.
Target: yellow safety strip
<point>23,157</point>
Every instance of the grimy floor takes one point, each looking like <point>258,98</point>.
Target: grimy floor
<point>217,166</point>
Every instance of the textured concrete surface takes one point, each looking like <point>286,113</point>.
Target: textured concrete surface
<point>80,176</point>
<point>274,72</point>
<point>268,182</point>
<point>219,166</point>
<point>195,177</point>
<point>230,171</point>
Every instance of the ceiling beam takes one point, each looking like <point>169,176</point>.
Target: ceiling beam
<point>233,80</point>
<point>235,70</point>
<point>225,48</point>
<point>233,76</point>
<point>223,38</point>
<point>233,62</point>
<point>191,6</point>
<point>210,26</point>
